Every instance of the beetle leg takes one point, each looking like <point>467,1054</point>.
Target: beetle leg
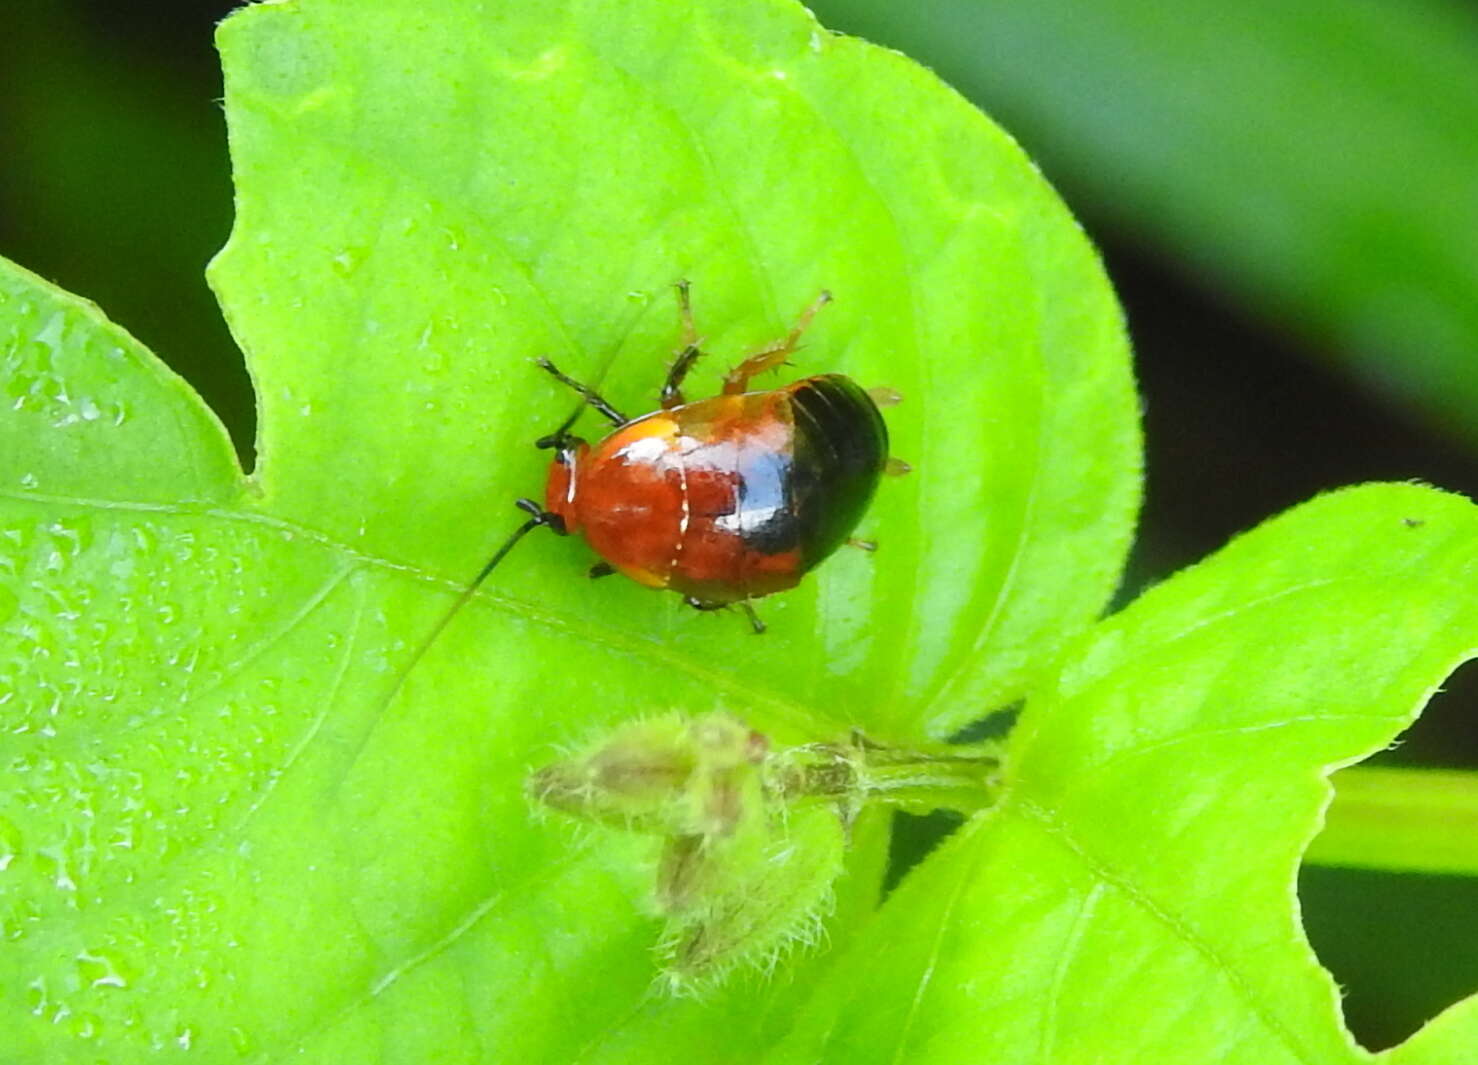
<point>702,604</point>
<point>743,604</point>
<point>862,545</point>
<point>896,467</point>
<point>689,353</point>
<point>590,396</point>
<point>754,619</point>
<point>540,516</point>
<point>672,388</point>
<point>601,569</point>
<point>773,355</point>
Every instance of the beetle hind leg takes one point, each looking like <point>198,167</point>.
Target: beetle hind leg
<point>754,619</point>
<point>773,355</point>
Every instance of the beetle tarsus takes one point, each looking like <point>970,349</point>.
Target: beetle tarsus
<point>600,569</point>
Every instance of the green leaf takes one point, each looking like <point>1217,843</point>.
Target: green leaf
<point>1131,898</point>
<point>1317,160</point>
<point>1448,1039</point>
<point>236,824</point>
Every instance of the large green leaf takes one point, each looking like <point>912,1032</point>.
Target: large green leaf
<point>1132,897</point>
<point>235,823</point>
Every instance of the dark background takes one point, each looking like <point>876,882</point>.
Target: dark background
<point>114,182</point>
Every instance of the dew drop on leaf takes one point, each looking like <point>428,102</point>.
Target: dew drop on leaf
<point>85,1025</point>
<point>99,969</point>
<point>10,843</point>
<point>348,260</point>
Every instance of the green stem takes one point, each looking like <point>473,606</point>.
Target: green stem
<point>863,772</point>
<point>1401,820</point>
<point>921,782</point>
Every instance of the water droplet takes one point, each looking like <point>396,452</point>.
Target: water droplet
<point>348,260</point>
<point>10,843</point>
<point>241,1041</point>
<point>100,970</point>
<point>145,540</point>
<point>53,864</point>
<point>36,998</point>
<point>88,410</point>
<point>69,537</point>
<point>85,1025</point>
<point>29,480</point>
<point>39,352</point>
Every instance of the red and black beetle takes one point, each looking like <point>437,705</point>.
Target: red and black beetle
<point>722,500</point>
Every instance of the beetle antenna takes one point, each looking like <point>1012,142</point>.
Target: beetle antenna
<point>537,516</point>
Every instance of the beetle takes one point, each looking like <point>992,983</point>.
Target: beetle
<point>727,499</point>
<point>723,500</point>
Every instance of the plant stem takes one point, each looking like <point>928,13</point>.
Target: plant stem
<point>863,772</point>
<point>928,781</point>
<point>1401,820</point>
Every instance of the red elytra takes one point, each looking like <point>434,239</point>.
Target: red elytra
<point>723,500</point>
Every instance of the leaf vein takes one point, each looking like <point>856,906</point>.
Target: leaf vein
<point>1051,827</point>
